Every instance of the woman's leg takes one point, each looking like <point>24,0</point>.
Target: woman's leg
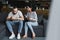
<point>30,24</point>
<point>26,30</point>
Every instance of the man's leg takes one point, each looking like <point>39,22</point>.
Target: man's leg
<point>20,26</point>
<point>20,29</point>
<point>9,25</point>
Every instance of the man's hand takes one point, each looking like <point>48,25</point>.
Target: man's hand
<point>13,18</point>
<point>22,18</point>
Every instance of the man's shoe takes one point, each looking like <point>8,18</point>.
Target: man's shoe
<point>18,36</point>
<point>12,36</point>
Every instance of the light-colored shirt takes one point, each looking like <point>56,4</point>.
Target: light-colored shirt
<point>32,15</point>
<point>17,15</point>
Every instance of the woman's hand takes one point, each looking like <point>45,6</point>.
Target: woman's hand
<point>32,19</point>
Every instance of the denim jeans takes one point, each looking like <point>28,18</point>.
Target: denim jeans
<point>30,24</point>
<point>10,23</point>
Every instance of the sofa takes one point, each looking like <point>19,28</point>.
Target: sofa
<point>39,30</point>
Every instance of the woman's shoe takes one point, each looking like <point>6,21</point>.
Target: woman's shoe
<point>25,36</point>
<point>33,36</point>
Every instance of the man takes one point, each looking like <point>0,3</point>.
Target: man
<point>32,21</point>
<point>15,16</point>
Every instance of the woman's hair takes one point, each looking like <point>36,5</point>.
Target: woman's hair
<point>33,8</point>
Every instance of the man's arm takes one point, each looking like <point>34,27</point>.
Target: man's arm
<point>9,16</point>
<point>21,16</point>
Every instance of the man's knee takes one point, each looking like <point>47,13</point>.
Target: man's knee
<point>7,22</point>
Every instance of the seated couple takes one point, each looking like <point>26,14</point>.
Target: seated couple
<point>16,16</point>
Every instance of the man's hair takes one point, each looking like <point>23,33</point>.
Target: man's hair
<point>14,7</point>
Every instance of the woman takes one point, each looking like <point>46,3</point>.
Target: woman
<point>32,21</point>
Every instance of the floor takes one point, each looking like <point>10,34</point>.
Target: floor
<point>37,38</point>
<point>4,37</point>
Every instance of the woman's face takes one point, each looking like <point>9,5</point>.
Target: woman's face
<point>29,9</point>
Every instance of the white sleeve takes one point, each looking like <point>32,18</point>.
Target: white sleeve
<point>20,13</point>
<point>10,14</point>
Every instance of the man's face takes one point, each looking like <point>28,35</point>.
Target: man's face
<point>15,10</point>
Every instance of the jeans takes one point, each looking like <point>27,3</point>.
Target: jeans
<point>10,23</point>
<point>30,24</point>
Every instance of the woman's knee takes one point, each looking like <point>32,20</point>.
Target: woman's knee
<point>28,23</point>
